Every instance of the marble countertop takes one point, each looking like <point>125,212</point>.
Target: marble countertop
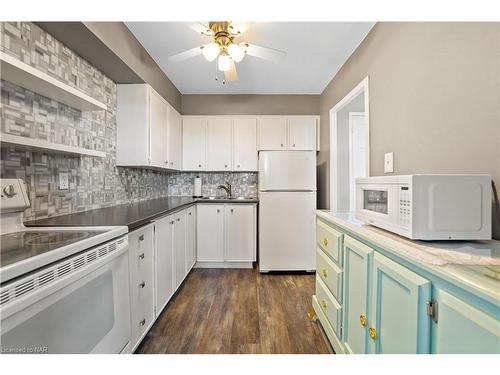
<point>133,215</point>
<point>475,265</point>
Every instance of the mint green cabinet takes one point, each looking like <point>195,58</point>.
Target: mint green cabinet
<point>462,328</point>
<point>357,260</point>
<point>398,320</point>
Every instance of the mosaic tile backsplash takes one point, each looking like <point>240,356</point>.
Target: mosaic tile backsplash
<point>93,182</point>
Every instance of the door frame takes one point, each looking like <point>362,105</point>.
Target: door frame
<point>351,115</point>
<point>362,87</point>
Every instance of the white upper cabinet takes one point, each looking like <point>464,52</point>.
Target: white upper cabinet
<point>174,137</point>
<point>219,144</point>
<point>143,129</point>
<point>245,144</point>
<point>272,133</point>
<point>194,144</point>
<point>301,133</point>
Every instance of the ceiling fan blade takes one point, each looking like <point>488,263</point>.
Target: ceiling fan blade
<point>201,28</point>
<point>238,28</point>
<point>231,74</point>
<point>186,54</point>
<point>265,53</point>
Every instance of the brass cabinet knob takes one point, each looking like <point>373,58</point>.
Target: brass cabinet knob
<point>325,273</point>
<point>363,320</point>
<point>324,304</point>
<point>325,241</point>
<point>373,333</point>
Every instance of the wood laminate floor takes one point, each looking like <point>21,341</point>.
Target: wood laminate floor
<point>238,311</point>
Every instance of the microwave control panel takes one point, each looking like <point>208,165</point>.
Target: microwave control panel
<point>404,206</point>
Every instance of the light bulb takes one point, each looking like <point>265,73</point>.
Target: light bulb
<point>236,52</point>
<point>224,63</point>
<point>211,51</point>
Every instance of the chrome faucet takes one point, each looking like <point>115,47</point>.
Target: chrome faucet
<point>227,189</point>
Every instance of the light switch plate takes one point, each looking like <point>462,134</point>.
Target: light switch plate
<point>63,181</point>
<point>389,162</point>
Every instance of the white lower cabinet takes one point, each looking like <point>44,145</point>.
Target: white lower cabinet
<point>141,265</point>
<point>179,248</point>
<point>164,231</point>
<point>226,235</point>
<point>190,238</point>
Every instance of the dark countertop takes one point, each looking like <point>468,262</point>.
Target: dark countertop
<point>133,215</point>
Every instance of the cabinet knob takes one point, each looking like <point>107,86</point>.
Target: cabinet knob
<point>142,322</point>
<point>199,165</point>
<point>189,213</point>
<point>363,320</point>
<point>325,241</point>
<point>178,219</point>
<point>282,145</point>
<point>293,145</point>
<point>141,237</point>
<point>172,222</point>
<point>166,162</point>
<point>325,273</point>
<point>238,166</point>
<point>373,333</point>
<point>324,304</point>
<point>141,256</point>
<point>142,285</point>
<point>225,165</point>
<point>232,210</point>
<point>218,210</point>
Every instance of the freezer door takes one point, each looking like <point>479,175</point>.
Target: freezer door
<point>287,170</point>
<point>287,231</point>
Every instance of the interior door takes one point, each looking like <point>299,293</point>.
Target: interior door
<point>158,112</point>
<point>219,144</point>
<point>245,145</point>
<point>193,144</point>
<point>398,321</point>
<point>190,238</point>
<point>357,262</point>
<point>179,248</point>
<point>272,133</point>
<point>174,139</point>
<point>240,233</point>
<point>210,232</point>
<point>302,133</point>
<point>164,261</point>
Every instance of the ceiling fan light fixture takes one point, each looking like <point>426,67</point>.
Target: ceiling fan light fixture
<point>236,52</point>
<point>211,51</point>
<point>224,63</point>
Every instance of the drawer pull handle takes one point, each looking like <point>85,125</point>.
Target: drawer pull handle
<point>141,256</point>
<point>143,284</point>
<point>373,333</point>
<point>141,237</point>
<point>325,273</point>
<point>142,322</point>
<point>363,320</point>
<point>325,241</point>
<point>324,304</point>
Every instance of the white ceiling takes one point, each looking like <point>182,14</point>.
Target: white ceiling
<point>315,53</point>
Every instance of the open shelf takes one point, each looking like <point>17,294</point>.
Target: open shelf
<point>24,75</point>
<point>40,144</point>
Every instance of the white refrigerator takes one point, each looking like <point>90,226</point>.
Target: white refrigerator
<point>287,221</point>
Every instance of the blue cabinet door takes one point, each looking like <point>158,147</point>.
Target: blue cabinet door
<point>357,261</point>
<point>462,328</point>
<point>398,313</point>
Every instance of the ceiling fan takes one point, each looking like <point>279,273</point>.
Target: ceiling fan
<point>225,48</point>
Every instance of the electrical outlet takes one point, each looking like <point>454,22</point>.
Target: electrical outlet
<point>63,181</point>
<point>389,162</point>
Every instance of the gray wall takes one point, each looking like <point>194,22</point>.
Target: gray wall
<point>434,99</point>
<point>250,104</point>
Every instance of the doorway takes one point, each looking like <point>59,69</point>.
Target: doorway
<point>349,145</point>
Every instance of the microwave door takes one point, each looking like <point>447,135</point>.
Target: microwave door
<point>378,204</point>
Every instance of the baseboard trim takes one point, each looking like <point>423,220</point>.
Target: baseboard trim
<point>246,265</point>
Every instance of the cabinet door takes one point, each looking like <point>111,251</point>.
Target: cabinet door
<point>210,232</point>
<point>141,264</point>
<point>245,145</point>
<point>158,112</point>
<point>240,233</point>
<point>179,248</point>
<point>462,328</point>
<point>219,144</point>
<point>193,144</point>
<point>398,311</point>
<point>302,133</point>
<point>190,238</point>
<point>357,261</point>
<point>174,137</point>
<point>164,261</point>
<point>272,133</point>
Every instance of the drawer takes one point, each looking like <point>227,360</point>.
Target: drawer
<point>330,273</point>
<point>329,240</point>
<point>329,305</point>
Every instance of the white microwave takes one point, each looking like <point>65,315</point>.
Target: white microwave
<point>427,207</point>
